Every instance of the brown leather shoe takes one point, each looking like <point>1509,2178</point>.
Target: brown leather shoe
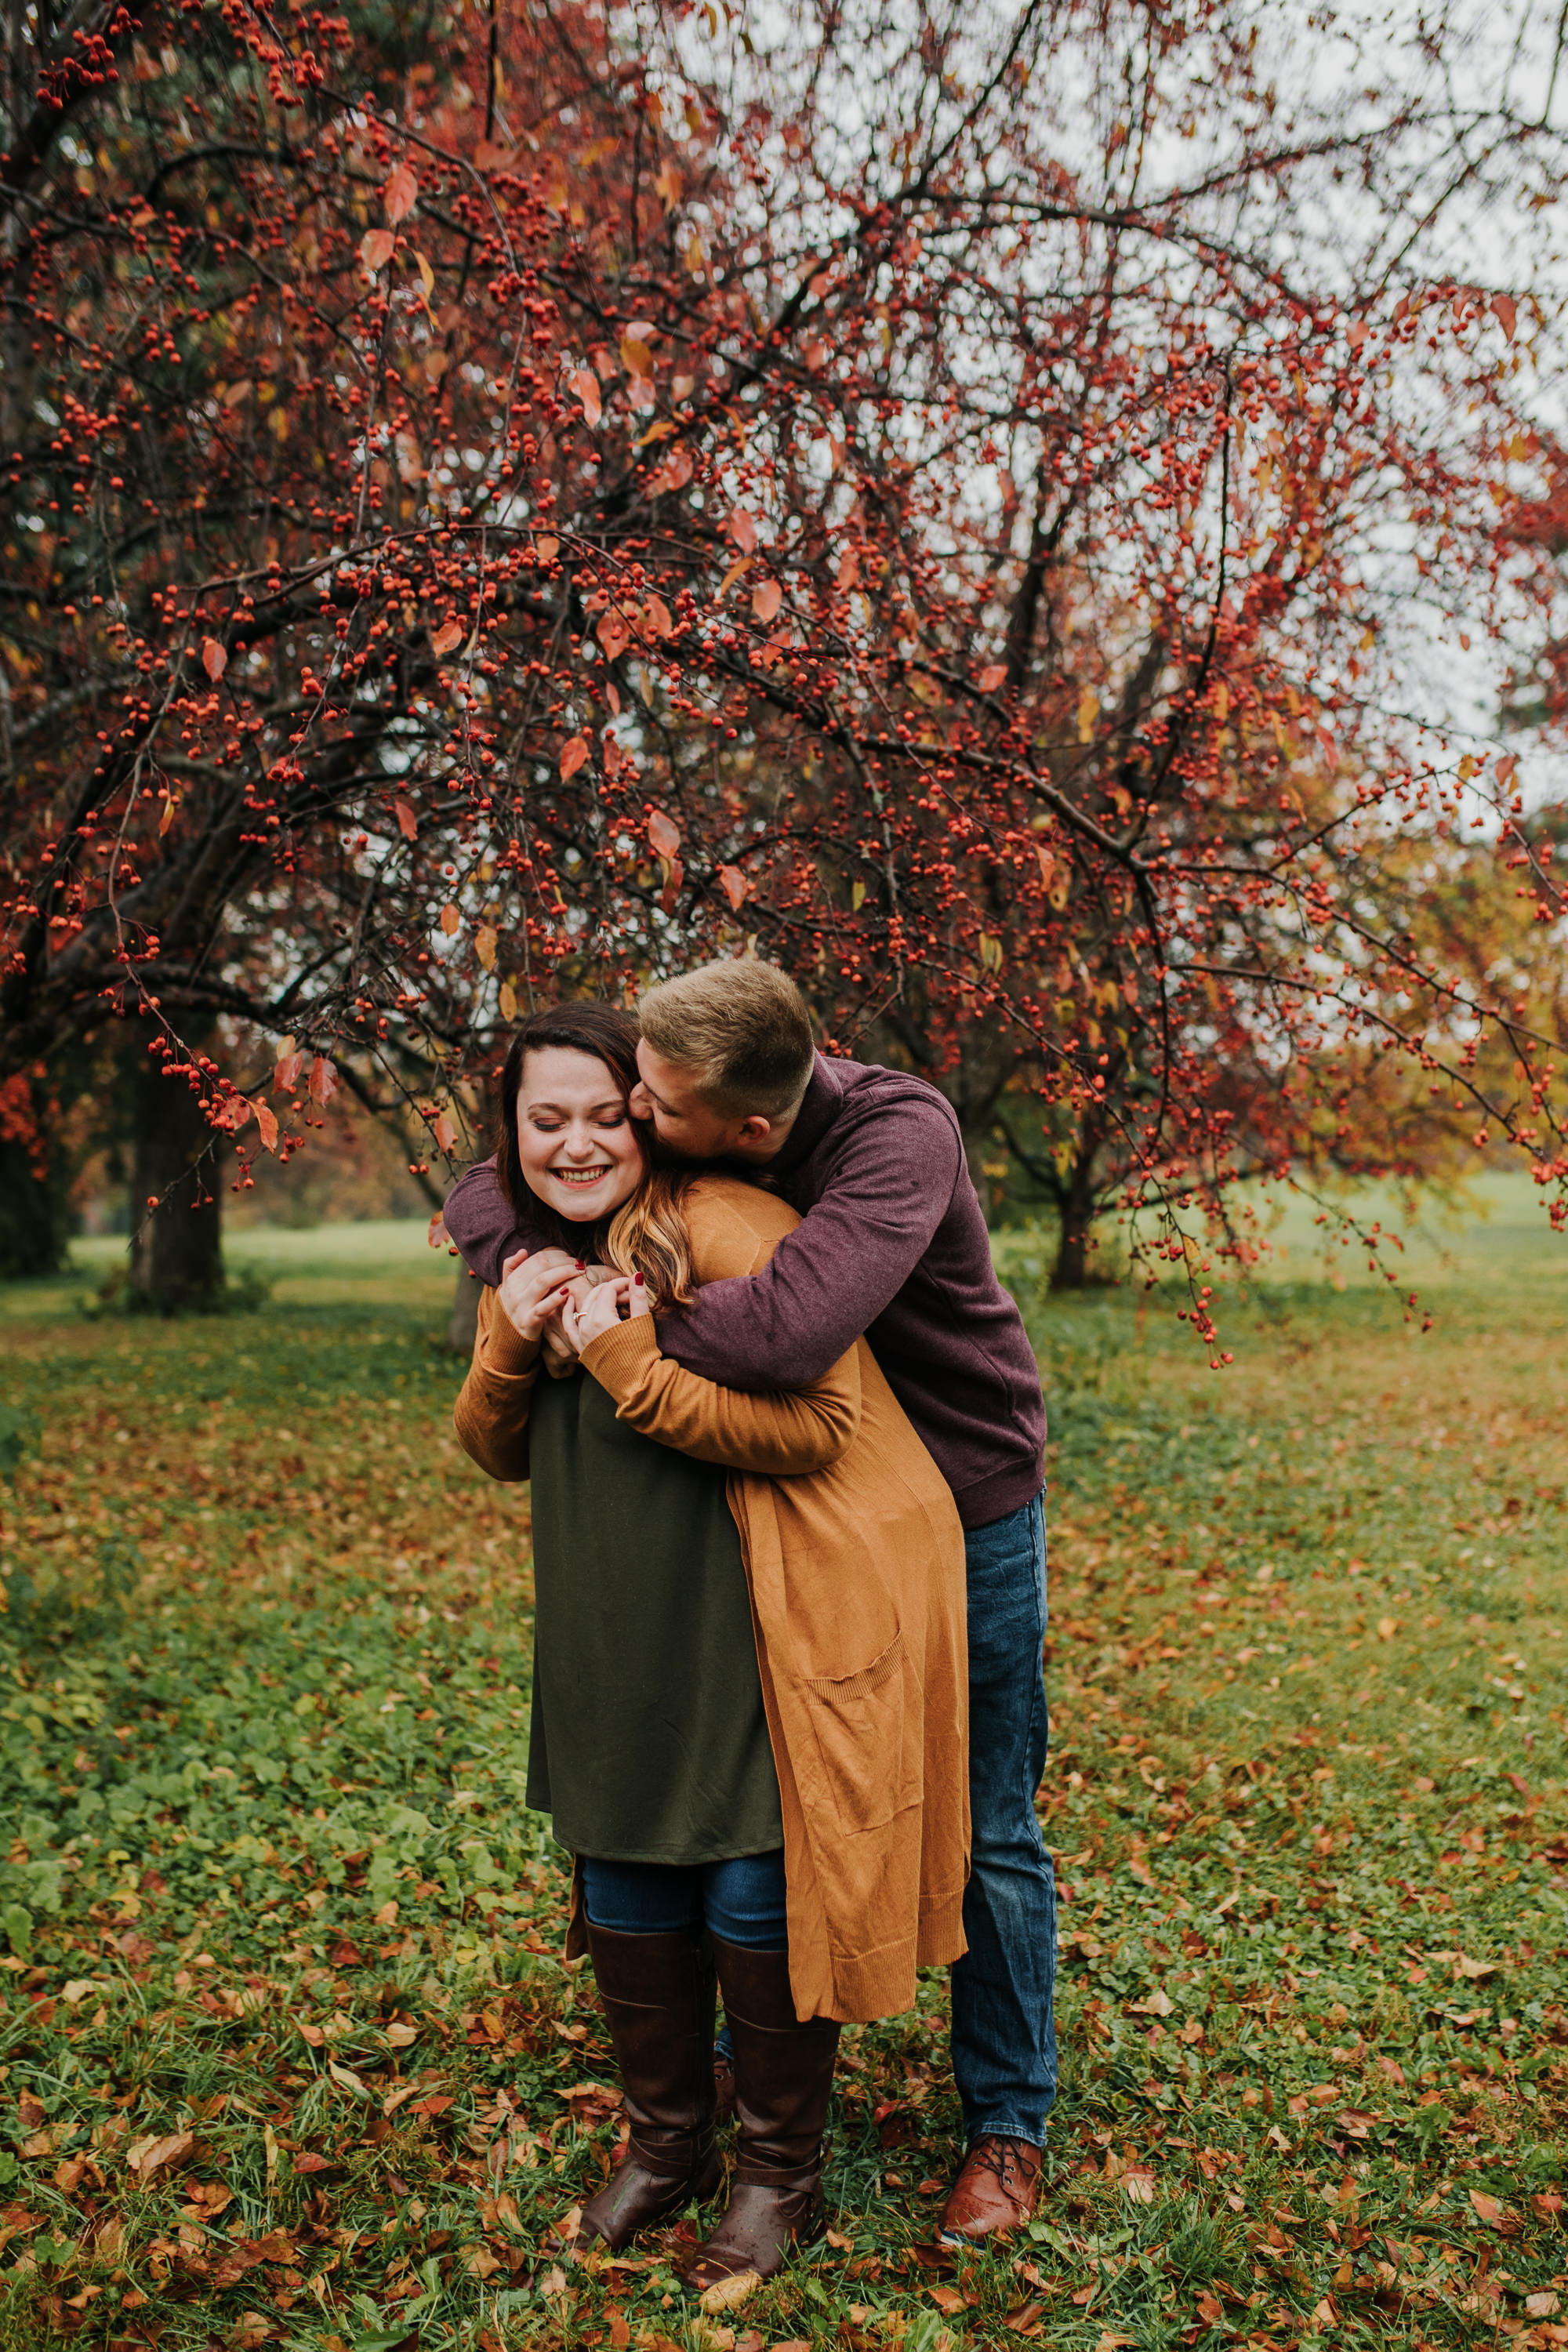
<point>658,1994</point>
<point>996,2190</point>
<point>784,2080</point>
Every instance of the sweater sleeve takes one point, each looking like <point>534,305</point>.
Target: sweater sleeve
<point>848,1259</point>
<point>479,1221</point>
<point>491,1415</point>
<point>775,1435</point>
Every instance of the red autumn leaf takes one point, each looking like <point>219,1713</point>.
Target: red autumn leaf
<point>449,634</point>
<point>376,247</point>
<point>1506,314</point>
<point>766,598</point>
<point>445,1134</point>
<point>994,674</point>
<point>214,661</point>
<point>613,633</point>
<point>400,194</point>
<point>572,755</point>
<point>744,530</point>
<point>266,1120</point>
<point>436,1231</point>
<point>663,837</point>
<point>308,2161</point>
<point>657,619</point>
<point>733,882</point>
<point>286,1077</point>
<point>585,384</point>
<point>407,823</point>
<point>323,1080</point>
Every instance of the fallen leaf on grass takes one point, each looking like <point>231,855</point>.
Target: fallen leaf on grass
<point>1541,2305</point>
<point>1355,2122</point>
<point>1488,2209</point>
<point>148,2157</point>
<point>1139,2185</point>
<point>946,2299</point>
<point>1026,2319</point>
<point>1210,2309</point>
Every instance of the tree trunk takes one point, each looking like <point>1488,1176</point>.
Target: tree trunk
<point>1072,1270</point>
<point>33,1222</point>
<point>177,1248</point>
<point>463,1326</point>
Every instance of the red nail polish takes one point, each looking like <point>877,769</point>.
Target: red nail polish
<point>637,1280</point>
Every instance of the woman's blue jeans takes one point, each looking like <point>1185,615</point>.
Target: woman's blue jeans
<point>740,1900</point>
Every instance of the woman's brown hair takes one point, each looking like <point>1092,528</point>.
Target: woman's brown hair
<point>647,1235</point>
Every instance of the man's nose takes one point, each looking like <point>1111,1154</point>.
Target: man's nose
<point>639,1102</point>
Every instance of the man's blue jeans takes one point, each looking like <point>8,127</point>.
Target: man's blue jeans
<point>1003,2018</point>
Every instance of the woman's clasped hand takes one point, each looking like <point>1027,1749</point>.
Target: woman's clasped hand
<point>548,1296</point>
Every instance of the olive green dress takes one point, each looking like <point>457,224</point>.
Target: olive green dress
<point>648,1740</point>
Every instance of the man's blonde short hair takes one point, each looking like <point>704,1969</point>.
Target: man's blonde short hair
<point>740,1030</point>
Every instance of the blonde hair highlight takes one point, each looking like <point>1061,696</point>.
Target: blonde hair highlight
<point>648,1236</point>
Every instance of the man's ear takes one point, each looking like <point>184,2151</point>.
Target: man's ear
<point>754,1129</point>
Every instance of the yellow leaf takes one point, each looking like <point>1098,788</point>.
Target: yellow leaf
<point>1088,712</point>
<point>857,896</point>
<point>427,274</point>
<point>508,1001</point>
<point>484,947</point>
<point>636,357</point>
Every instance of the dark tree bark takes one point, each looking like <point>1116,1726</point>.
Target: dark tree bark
<point>177,1248</point>
<point>1078,1205</point>
<point>462,1327</point>
<point>33,1228</point>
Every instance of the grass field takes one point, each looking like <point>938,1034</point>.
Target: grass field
<point>289,2056</point>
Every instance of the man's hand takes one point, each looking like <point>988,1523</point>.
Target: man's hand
<point>533,1289</point>
<point>600,1313</point>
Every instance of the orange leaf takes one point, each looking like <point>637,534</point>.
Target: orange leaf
<point>266,1120</point>
<point>407,823</point>
<point>167,819</point>
<point>1488,2209</point>
<point>657,618</point>
<point>585,384</point>
<point>636,357</point>
<point>445,1133</point>
<point>449,635</point>
<point>286,1077</point>
<point>484,946</point>
<point>1505,313</point>
<point>766,598</point>
<point>214,661</point>
<point>572,755</point>
<point>376,247</point>
<point>994,674</point>
<point>744,530</point>
<point>663,837</point>
<point>450,920</point>
<point>947,2299</point>
<point>323,1080</point>
<point>733,882</point>
<point>400,194</point>
<point>613,633</point>
<point>436,1231</point>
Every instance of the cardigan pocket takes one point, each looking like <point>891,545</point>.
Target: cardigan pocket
<point>868,1735</point>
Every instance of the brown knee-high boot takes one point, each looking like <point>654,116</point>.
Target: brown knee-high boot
<point>657,1993</point>
<point>783,2079</point>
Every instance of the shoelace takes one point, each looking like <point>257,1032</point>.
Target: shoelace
<point>1000,2156</point>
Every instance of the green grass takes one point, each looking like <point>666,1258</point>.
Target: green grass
<point>274,1901</point>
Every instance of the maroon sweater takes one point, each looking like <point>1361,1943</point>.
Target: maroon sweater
<point>893,1245</point>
